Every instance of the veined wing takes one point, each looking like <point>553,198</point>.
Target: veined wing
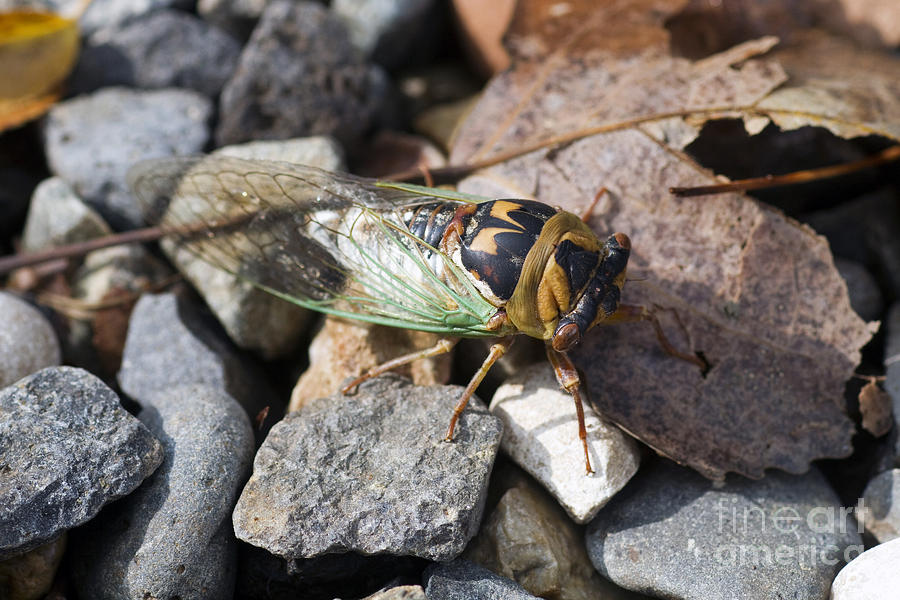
<point>329,242</point>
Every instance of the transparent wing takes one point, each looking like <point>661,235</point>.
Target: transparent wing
<point>329,242</point>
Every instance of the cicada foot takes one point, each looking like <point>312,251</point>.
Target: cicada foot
<point>567,376</point>
<point>442,347</point>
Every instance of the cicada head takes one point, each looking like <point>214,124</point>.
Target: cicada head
<point>599,299</point>
<point>570,281</point>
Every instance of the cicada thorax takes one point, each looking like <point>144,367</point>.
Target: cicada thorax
<point>545,267</point>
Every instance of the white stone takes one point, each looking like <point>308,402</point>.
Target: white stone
<point>57,216</point>
<point>540,433</point>
<point>316,151</point>
<point>874,574</point>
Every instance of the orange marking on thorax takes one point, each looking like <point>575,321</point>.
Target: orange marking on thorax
<point>484,240</point>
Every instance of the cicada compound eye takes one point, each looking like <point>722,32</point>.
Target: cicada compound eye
<point>566,336</point>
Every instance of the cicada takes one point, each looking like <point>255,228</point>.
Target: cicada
<point>398,254</point>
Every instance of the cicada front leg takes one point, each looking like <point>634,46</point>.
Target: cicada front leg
<point>567,376</point>
<point>442,347</point>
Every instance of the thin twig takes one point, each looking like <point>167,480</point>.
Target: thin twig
<point>741,185</point>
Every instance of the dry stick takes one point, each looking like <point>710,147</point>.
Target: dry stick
<point>885,156</point>
<point>17,261</point>
<point>147,234</point>
<point>452,172</point>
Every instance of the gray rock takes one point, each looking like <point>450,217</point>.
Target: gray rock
<point>105,13</point>
<point>865,295</point>
<point>400,592</point>
<point>672,534</point>
<point>370,473</point>
<point>317,151</point>
<point>881,501</point>
<point>872,575</point>
<point>172,538</point>
<point>300,75</point>
<point>91,141</point>
<point>68,449</point>
<point>542,437</point>
<point>166,48</point>
<point>892,366</point>
<point>170,343</point>
<point>463,580</point>
<point>528,538</point>
<point>387,31</point>
<point>57,216</point>
<point>27,340</point>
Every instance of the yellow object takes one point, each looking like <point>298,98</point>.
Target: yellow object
<point>37,52</point>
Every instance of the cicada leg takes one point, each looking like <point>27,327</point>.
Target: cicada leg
<point>589,211</point>
<point>442,347</point>
<point>629,313</point>
<point>567,376</point>
<point>497,350</point>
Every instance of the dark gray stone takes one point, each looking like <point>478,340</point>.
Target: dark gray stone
<point>370,473</point>
<point>881,510</point>
<point>170,342</point>
<point>671,533</point>
<point>106,13</point>
<point>91,141</point>
<point>166,48</point>
<point>463,580</point>
<point>172,538</point>
<point>300,75</point>
<point>865,295</point>
<point>57,216</point>
<point>68,448</point>
<point>237,17</point>
<point>390,32</point>
<point>866,230</point>
<point>27,340</point>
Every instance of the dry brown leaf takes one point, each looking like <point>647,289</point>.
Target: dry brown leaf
<point>753,291</point>
<point>875,406</point>
<point>37,52</point>
<point>481,26</point>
